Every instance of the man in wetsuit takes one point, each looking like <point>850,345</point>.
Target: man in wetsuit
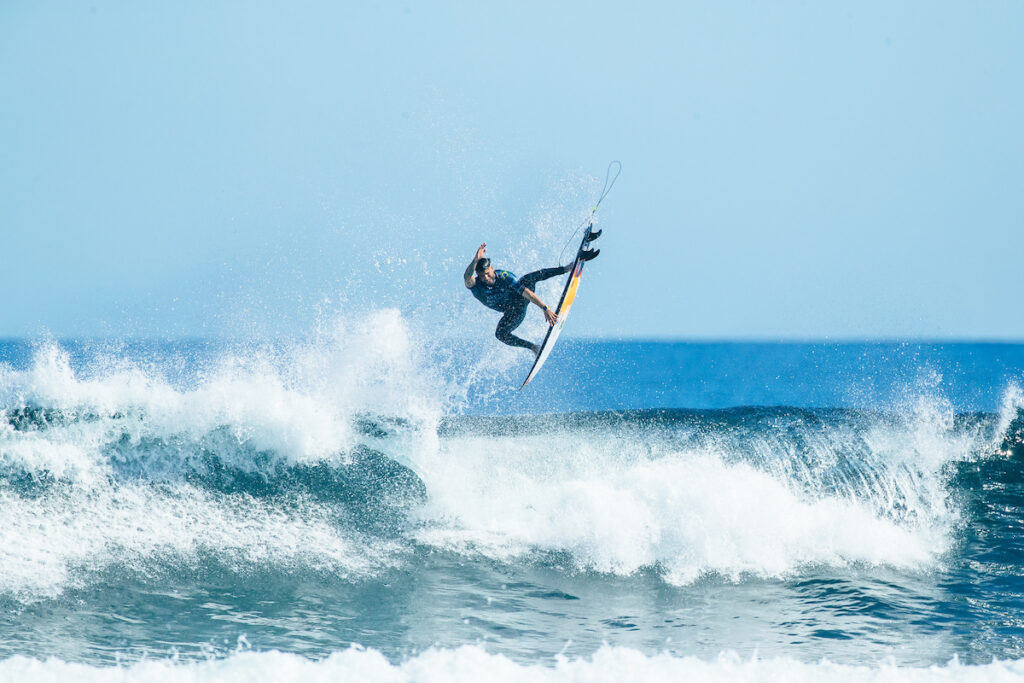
<point>502,291</point>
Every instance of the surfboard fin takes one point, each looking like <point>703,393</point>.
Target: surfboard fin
<point>588,254</point>
<point>593,236</point>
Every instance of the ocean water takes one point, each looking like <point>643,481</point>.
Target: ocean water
<point>362,506</point>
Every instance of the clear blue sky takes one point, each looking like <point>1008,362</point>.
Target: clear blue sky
<point>791,169</point>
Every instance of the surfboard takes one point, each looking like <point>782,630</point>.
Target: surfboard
<point>572,285</point>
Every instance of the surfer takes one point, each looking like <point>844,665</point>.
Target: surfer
<point>502,291</point>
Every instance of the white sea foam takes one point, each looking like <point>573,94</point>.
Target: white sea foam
<point>690,515</point>
<point>297,405</point>
<point>474,663</point>
<point>54,542</point>
<point>621,503</point>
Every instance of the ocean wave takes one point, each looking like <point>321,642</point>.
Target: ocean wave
<point>354,431</point>
<point>256,463</point>
<point>73,536</point>
<point>744,492</point>
<point>474,663</point>
<point>302,404</point>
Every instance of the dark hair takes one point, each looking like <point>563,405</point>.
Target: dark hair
<point>482,264</point>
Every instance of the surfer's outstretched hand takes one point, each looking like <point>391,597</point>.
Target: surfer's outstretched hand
<point>481,251</point>
<point>550,315</point>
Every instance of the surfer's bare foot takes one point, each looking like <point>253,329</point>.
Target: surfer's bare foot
<point>536,350</point>
<point>588,254</point>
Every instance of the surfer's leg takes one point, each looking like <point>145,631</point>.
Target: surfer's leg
<point>530,280</point>
<point>510,321</point>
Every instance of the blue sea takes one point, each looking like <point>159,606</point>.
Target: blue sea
<point>363,505</point>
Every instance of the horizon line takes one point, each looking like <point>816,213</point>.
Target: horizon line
<point>653,339</point>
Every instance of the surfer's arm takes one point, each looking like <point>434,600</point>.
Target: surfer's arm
<point>548,313</point>
<point>470,275</point>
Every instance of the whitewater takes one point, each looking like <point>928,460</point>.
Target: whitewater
<point>361,504</point>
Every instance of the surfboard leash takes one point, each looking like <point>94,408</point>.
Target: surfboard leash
<point>589,220</point>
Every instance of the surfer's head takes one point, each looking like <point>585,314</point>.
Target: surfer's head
<point>486,271</point>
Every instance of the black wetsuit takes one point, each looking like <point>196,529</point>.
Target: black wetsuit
<point>506,296</point>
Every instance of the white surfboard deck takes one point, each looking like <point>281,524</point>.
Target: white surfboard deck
<point>562,312</point>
